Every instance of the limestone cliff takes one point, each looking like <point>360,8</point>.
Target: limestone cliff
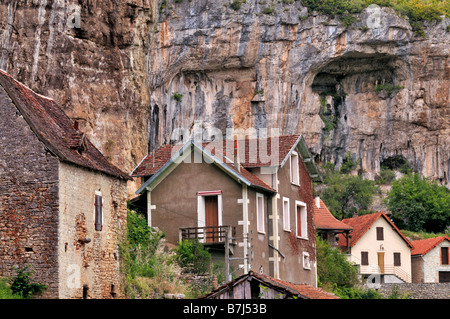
<point>136,70</point>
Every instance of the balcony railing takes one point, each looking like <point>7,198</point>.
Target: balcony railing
<point>208,234</point>
<point>387,270</point>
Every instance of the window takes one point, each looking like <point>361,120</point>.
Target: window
<point>364,258</point>
<point>260,212</point>
<point>295,179</point>
<point>98,212</point>
<point>380,235</point>
<point>286,215</point>
<point>306,261</point>
<point>397,259</point>
<point>301,220</point>
<point>444,255</point>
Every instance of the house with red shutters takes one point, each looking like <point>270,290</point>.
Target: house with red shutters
<point>248,200</point>
<point>430,260</point>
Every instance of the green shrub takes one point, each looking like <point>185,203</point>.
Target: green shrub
<point>5,290</point>
<point>386,177</point>
<point>417,11</point>
<point>193,256</point>
<point>177,96</point>
<point>419,204</point>
<point>21,284</point>
<point>333,269</point>
<point>389,88</point>
<point>236,4</point>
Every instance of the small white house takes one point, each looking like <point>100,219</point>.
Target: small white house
<point>378,247</point>
<point>430,260</point>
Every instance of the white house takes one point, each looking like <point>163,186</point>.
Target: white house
<point>430,260</point>
<point>378,247</point>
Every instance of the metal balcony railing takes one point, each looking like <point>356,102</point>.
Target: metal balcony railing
<point>386,270</point>
<point>208,234</point>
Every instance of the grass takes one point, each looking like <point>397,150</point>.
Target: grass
<point>5,290</point>
<point>422,235</point>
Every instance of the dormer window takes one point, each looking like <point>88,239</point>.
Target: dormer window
<point>295,178</point>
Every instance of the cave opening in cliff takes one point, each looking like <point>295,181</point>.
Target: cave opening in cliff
<point>344,85</point>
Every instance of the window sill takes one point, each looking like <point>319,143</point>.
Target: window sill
<point>294,184</point>
<point>304,238</point>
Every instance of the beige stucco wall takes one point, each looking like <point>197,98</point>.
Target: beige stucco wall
<point>95,264</point>
<point>432,263</point>
<point>392,243</point>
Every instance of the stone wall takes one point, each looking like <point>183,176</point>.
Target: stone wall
<point>418,290</point>
<point>28,201</point>
<point>92,263</point>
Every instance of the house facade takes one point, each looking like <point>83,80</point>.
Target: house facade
<point>62,204</point>
<point>378,248</point>
<point>430,260</point>
<point>210,191</point>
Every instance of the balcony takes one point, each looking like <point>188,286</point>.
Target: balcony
<point>386,270</point>
<point>209,235</point>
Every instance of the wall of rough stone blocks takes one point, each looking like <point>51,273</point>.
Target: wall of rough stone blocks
<point>28,200</point>
<point>418,290</point>
<point>93,264</point>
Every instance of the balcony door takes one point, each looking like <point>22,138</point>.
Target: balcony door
<point>211,218</point>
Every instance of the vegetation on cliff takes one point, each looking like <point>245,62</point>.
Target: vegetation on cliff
<point>417,11</point>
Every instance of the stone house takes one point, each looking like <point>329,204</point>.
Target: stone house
<point>430,260</point>
<point>256,212</point>
<point>378,248</point>
<point>62,204</point>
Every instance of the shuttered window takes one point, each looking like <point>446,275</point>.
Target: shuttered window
<point>397,259</point>
<point>98,212</point>
<point>380,235</point>
<point>260,213</point>
<point>364,258</point>
<point>444,255</point>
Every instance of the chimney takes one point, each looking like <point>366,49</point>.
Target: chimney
<point>237,163</point>
<point>317,201</point>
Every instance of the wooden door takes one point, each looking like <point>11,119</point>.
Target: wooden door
<point>381,262</point>
<point>211,218</point>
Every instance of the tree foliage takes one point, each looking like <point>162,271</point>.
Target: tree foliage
<point>419,204</point>
<point>347,194</point>
<point>333,269</point>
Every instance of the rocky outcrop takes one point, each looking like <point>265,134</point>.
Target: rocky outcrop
<point>374,89</point>
<point>92,59</point>
<point>136,70</point>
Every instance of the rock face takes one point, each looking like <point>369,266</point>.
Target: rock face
<point>137,70</point>
<point>92,59</point>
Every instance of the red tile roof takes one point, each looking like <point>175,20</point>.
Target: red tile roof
<point>253,150</point>
<point>423,246</point>
<point>154,161</point>
<point>361,225</point>
<point>302,291</point>
<point>323,219</point>
<point>55,129</point>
